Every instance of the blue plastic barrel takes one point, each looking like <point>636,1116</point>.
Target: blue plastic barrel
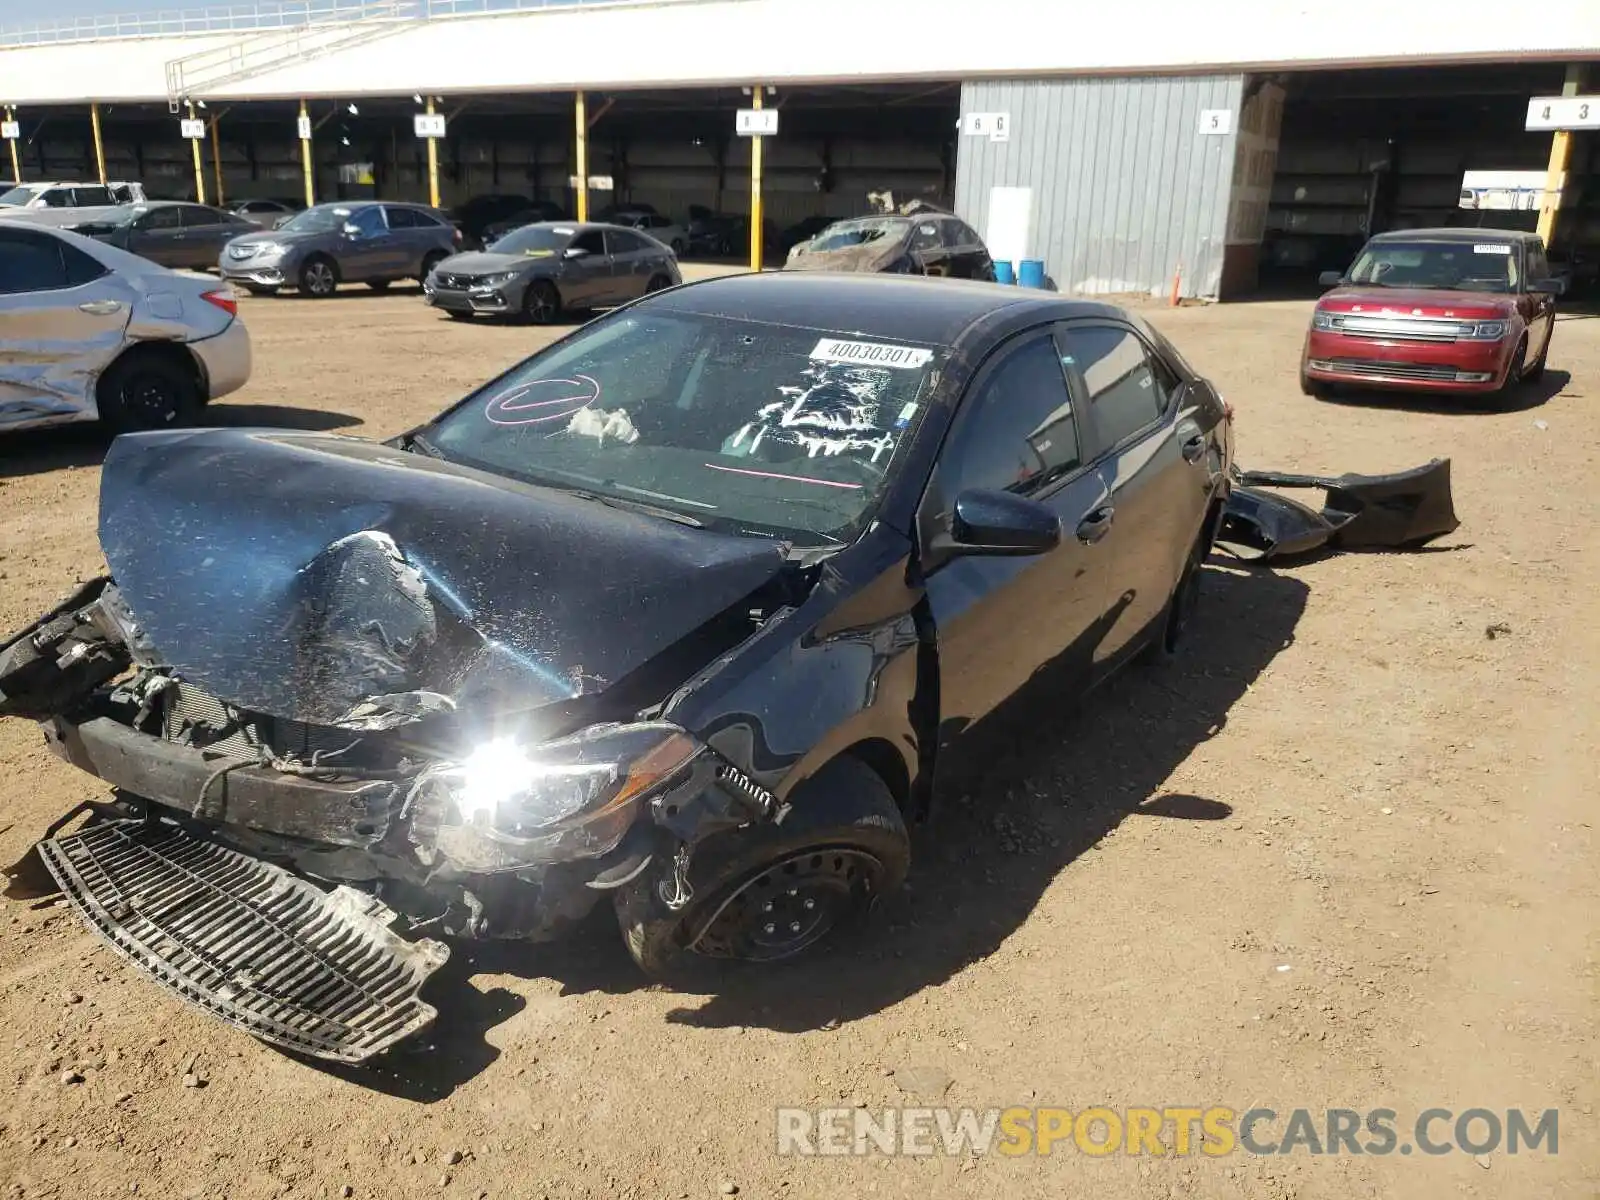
<point>1003,273</point>
<point>1031,274</point>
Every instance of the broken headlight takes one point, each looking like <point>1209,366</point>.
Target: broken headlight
<point>508,805</point>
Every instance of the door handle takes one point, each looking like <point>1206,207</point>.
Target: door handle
<point>1193,447</point>
<point>1096,525</point>
<point>100,308</point>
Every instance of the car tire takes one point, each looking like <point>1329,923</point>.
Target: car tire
<point>148,389</point>
<point>658,283</point>
<point>1177,618</point>
<point>319,277</point>
<point>541,303</point>
<point>1536,372</point>
<point>842,845</point>
<point>432,260</point>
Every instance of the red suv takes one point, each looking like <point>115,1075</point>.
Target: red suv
<point>1448,310</point>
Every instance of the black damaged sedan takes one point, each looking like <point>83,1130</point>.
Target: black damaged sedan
<point>677,615</point>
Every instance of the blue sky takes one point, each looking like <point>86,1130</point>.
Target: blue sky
<point>29,12</point>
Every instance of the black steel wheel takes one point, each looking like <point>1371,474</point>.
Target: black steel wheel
<point>148,390</point>
<point>770,892</point>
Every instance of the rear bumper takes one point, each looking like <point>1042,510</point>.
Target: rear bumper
<point>1423,366</point>
<point>226,359</point>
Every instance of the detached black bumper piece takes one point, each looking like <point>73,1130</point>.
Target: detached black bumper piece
<point>319,973</point>
<point>1401,511</point>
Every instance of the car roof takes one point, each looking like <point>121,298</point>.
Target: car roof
<point>1454,233</point>
<point>905,307</point>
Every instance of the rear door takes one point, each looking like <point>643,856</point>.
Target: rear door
<point>206,231</point>
<point>62,317</point>
<point>1154,459</point>
<point>1007,623</point>
<point>412,234</point>
<point>374,251</point>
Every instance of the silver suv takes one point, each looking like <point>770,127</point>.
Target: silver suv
<point>368,241</point>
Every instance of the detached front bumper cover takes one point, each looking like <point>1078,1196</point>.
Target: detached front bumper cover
<point>1404,510</point>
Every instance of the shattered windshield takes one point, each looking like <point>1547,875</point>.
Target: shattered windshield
<point>324,218</point>
<point>858,233</point>
<point>738,425</point>
<point>1486,266</point>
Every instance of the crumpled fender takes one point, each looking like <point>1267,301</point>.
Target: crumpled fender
<point>1402,510</point>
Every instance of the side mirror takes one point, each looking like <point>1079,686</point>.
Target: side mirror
<point>1329,279</point>
<point>1549,287</point>
<point>574,252</point>
<point>351,229</point>
<point>987,522</point>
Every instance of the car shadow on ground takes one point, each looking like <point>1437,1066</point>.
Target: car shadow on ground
<point>40,451</point>
<point>1532,394</point>
<point>1055,780</point>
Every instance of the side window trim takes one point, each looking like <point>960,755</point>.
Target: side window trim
<point>1079,385</point>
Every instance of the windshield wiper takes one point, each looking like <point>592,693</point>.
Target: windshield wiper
<point>417,442</point>
<point>638,506</point>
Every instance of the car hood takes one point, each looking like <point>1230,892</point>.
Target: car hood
<point>873,256</point>
<point>282,237</point>
<point>344,582</point>
<point>485,262</point>
<point>1418,302</point>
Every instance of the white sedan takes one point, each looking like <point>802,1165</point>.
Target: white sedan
<point>90,332</point>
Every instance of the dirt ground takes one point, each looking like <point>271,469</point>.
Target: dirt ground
<point>1343,856</point>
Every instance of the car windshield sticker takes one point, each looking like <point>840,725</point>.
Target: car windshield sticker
<point>834,412</point>
<point>1492,248</point>
<point>905,416</point>
<point>871,354</point>
<point>538,253</point>
<point>542,400</point>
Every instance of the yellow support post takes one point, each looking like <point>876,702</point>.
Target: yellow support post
<point>755,187</point>
<point>1555,179</point>
<point>582,117</point>
<point>199,164</point>
<point>216,159</point>
<point>16,160</point>
<point>433,164</point>
<point>305,157</point>
<point>99,148</point>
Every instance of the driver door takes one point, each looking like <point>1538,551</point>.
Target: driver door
<point>158,235</point>
<point>1005,624</point>
<point>372,250</point>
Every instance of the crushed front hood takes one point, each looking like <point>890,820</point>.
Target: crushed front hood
<point>873,256</point>
<point>338,581</point>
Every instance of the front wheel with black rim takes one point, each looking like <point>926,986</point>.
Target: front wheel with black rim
<point>770,892</point>
<point>319,278</point>
<point>541,302</point>
<point>145,390</point>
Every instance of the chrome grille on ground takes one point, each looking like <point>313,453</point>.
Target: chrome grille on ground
<point>312,971</point>
<point>1391,370</point>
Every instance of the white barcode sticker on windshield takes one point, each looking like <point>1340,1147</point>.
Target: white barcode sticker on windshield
<point>870,354</point>
<point>1492,248</point>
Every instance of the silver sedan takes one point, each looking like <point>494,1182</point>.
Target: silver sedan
<point>90,332</point>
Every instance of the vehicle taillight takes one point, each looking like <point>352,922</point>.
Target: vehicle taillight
<point>223,300</point>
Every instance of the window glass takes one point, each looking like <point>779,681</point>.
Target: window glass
<point>1489,265</point>
<point>953,234</point>
<point>157,218</point>
<point>926,236</point>
<point>623,243</point>
<point>1125,389</point>
<point>58,198</point>
<point>81,268</point>
<point>1018,431</point>
<point>589,240</point>
<point>201,215</point>
<point>1538,264</point>
<point>30,263</point>
<point>400,218</point>
<point>87,197</point>
<point>368,221</point>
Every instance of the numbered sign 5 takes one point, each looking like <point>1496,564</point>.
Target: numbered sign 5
<point>1216,122</point>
